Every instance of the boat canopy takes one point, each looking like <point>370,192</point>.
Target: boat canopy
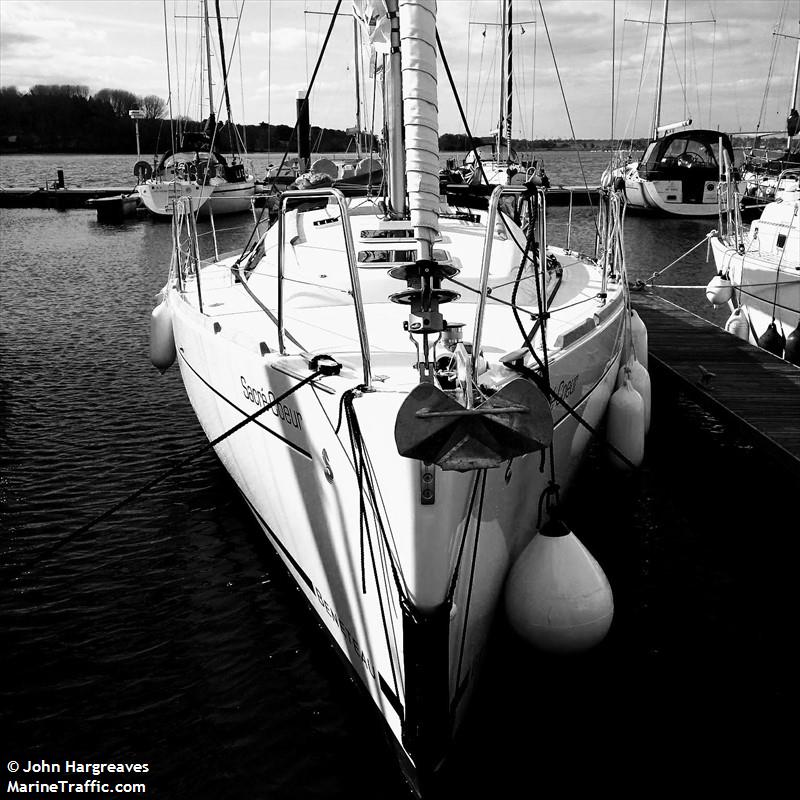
<point>695,149</point>
<point>489,152</point>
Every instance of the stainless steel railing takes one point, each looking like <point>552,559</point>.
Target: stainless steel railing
<point>491,217</point>
<point>358,301</point>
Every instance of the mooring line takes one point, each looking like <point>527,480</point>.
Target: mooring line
<point>47,551</point>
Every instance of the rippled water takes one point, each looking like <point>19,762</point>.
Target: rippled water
<point>170,634</point>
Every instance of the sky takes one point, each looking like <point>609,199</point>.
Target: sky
<point>715,73</point>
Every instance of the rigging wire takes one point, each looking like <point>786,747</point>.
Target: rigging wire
<point>613,56</point>
<point>680,77</point>
<point>566,105</point>
<point>641,72</point>
<point>533,71</point>
<point>269,77</point>
<point>713,59</point>
<point>169,80</point>
<point>773,58</point>
<point>467,73</point>
<point>294,130</point>
<point>241,82</point>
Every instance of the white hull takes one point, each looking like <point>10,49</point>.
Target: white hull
<point>678,174</point>
<point>765,272</point>
<point>297,473</point>
<point>667,196</point>
<point>217,197</point>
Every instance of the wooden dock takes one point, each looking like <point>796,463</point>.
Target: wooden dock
<point>54,197</point>
<point>77,197</point>
<point>758,392</point>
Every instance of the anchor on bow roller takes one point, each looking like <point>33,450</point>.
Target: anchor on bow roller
<point>434,425</point>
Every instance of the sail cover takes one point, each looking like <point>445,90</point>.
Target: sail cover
<point>419,96</point>
<point>420,113</point>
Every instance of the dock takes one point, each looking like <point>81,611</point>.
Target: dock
<point>56,197</point>
<point>739,383</point>
<point>77,197</point>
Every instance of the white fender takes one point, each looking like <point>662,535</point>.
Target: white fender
<point>640,380</point>
<point>557,596</point>
<point>719,290</point>
<point>162,338</point>
<point>737,325</point>
<point>638,337</point>
<point>625,425</point>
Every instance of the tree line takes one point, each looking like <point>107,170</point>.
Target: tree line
<point>69,119</point>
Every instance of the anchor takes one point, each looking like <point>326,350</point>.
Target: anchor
<point>432,427</point>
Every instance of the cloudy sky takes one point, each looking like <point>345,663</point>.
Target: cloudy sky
<point>716,73</point>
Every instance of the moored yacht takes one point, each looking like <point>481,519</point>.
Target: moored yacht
<point>679,171</point>
<point>201,175</point>
<point>402,390</point>
<point>196,170</point>
<point>758,271</point>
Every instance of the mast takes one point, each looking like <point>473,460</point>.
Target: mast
<point>657,112</point>
<point>394,115</point>
<point>504,14</point>
<point>793,97</point>
<point>509,81</point>
<point>358,85</point>
<point>208,60</point>
<point>224,75</point>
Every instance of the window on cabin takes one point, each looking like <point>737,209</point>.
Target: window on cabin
<point>396,256</point>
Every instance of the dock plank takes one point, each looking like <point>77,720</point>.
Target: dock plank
<point>758,392</point>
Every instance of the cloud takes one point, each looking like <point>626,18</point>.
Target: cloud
<point>10,40</point>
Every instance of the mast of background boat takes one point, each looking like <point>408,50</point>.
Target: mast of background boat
<point>793,97</point>
<point>208,62</point>
<point>394,116</point>
<point>503,56</point>
<point>509,81</point>
<point>356,51</point>
<point>657,111</point>
<point>224,75</point>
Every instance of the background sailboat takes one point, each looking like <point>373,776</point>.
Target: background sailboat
<point>679,170</point>
<point>196,168</point>
<point>767,175</point>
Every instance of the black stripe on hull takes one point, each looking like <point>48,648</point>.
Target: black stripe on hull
<point>244,413</point>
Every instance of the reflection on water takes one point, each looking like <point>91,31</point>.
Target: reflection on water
<point>171,635</point>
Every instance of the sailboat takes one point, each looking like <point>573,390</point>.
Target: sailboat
<point>766,177</point>
<point>496,162</point>
<point>758,270</point>
<point>679,170</point>
<point>402,391</point>
<point>197,169</point>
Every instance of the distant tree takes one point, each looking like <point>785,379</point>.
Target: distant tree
<point>153,106</point>
<point>120,100</point>
<point>55,90</point>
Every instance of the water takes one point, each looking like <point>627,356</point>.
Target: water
<point>171,635</point>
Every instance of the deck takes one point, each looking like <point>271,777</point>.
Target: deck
<point>742,384</point>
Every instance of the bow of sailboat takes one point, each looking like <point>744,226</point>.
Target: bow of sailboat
<point>471,357</point>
